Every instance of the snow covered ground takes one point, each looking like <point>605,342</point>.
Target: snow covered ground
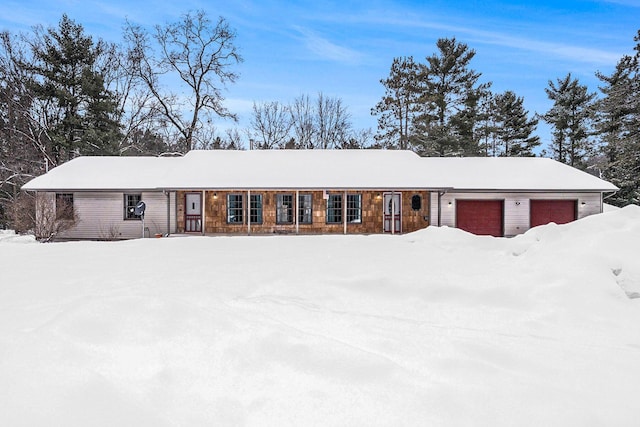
<point>436,327</point>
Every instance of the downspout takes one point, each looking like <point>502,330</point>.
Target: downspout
<point>440,194</point>
<point>248,212</point>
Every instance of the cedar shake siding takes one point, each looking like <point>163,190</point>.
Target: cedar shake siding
<point>368,219</point>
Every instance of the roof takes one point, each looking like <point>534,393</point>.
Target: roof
<point>512,173</point>
<point>315,169</point>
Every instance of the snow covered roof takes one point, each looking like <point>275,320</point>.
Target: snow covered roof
<point>315,169</point>
<point>511,173</point>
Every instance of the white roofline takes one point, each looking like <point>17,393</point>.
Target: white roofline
<point>316,170</point>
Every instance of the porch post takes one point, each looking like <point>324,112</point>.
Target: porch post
<point>344,212</point>
<point>203,210</point>
<point>393,212</point>
<point>168,211</point>
<point>249,212</point>
<point>296,211</point>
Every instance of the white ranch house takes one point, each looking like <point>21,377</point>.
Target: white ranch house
<point>315,191</point>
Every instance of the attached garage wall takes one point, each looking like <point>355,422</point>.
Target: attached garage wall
<point>516,207</point>
<point>101,216</point>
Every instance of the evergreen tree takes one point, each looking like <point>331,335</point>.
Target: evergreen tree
<point>449,92</point>
<point>570,117</point>
<point>397,108</point>
<point>618,124</point>
<point>81,111</point>
<point>513,128</point>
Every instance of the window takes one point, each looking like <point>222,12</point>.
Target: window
<point>305,209</point>
<point>334,209</point>
<point>416,202</point>
<point>255,211</point>
<point>64,206</point>
<point>284,208</point>
<point>130,202</point>
<point>234,209</point>
<point>354,208</point>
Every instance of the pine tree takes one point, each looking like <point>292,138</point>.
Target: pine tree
<point>570,117</point>
<point>81,110</point>
<point>397,108</point>
<point>448,88</point>
<point>514,129</point>
<point>618,125</point>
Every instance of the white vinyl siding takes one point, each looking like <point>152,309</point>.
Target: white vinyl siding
<point>516,207</point>
<point>100,216</point>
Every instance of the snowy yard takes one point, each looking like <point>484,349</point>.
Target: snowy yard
<point>437,327</point>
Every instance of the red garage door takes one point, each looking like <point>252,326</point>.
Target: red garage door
<point>558,211</point>
<point>480,216</point>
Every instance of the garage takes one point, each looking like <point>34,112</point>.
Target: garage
<point>482,217</point>
<point>558,211</point>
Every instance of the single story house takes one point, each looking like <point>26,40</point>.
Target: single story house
<point>312,192</point>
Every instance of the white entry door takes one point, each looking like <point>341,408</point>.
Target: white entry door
<point>392,213</point>
<point>193,213</point>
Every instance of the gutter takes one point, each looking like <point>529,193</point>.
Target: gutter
<point>440,194</point>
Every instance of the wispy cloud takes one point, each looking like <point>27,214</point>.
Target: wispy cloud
<point>631,3</point>
<point>540,47</point>
<point>323,48</point>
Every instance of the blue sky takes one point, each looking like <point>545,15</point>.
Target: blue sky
<point>343,48</point>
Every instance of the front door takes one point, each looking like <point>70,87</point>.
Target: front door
<point>193,213</point>
<point>392,213</point>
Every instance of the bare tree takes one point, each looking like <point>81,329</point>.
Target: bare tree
<point>333,122</point>
<point>137,115</point>
<point>303,122</point>
<point>201,55</point>
<point>270,124</point>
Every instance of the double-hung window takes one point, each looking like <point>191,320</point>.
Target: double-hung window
<point>235,209</point>
<point>64,206</point>
<point>305,209</point>
<point>130,202</point>
<point>284,208</point>
<point>354,208</point>
<point>255,211</point>
<point>334,209</point>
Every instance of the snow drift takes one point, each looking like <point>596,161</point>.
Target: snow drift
<point>437,327</point>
